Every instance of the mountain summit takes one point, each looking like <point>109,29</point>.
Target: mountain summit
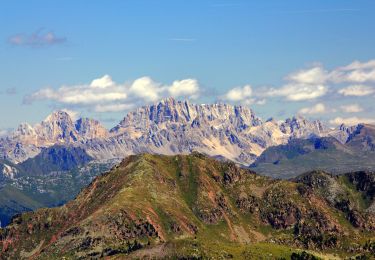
<point>58,128</point>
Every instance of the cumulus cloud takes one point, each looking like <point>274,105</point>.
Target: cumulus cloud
<point>319,108</point>
<point>146,89</point>
<point>39,38</point>
<point>315,75</point>
<point>356,72</point>
<point>298,91</point>
<point>302,85</point>
<point>313,82</point>
<point>243,95</point>
<point>105,95</point>
<point>357,90</point>
<point>102,108</point>
<point>351,121</point>
<point>99,91</point>
<point>352,108</point>
<point>184,88</point>
<point>239,93</point>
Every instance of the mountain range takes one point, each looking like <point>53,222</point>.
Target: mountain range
<point>47,164</point>
<point>195,207</point>
<point>166,127</point>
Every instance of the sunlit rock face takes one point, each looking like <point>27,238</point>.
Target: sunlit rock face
<point>166,127</point>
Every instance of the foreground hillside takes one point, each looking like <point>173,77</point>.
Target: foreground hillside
<point>196,207</point>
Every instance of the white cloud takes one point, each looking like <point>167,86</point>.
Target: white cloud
<point>355,65</point>
<point>352,108</point>
<point>319,108</point>
<point>113,107</point>
<point>261,102</point>
<point>356,72</point>
<point>103,82</point>
<point>81,94</point>
<point>351,121</point>
<point>357,90</point>
<point>104,95</point>
<point>243,95</point>
<point>313,82</point>
<point>146,89</point>
<point>315,75</point>
<point>186,87</point>
<point>298,92</point>
<point>239,94</point>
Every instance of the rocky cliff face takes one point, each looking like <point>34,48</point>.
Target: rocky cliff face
<point>166,127</point>
<point>219,130</point>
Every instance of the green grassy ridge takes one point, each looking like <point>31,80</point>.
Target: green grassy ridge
<point>191,206</point>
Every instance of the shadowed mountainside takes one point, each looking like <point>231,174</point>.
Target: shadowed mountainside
<point>53,177</point>
<point>357,152</point>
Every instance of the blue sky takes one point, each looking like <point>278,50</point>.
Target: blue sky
<point>278,57</point>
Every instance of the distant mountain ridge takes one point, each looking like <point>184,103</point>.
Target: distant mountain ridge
<point>356,151</point>
<point>166,127</point>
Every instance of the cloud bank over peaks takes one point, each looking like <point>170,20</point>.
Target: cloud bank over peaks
<point>351,121</point>
<point>351,108</point>
<point>316,82</point>
<point>243,95</point>
<point>105,95</point>
<point>319,108</point>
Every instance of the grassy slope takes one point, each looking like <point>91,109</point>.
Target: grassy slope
<point>181,206</point>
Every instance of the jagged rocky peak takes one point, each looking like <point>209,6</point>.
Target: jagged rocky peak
<point>25,132</point>
<point>344,132</point>
<point>90,128</point>
<point>299,126</point>
<point>58,116</point>
<point>57,127</point>
<point>170,110</point>
<point>24,129</point>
